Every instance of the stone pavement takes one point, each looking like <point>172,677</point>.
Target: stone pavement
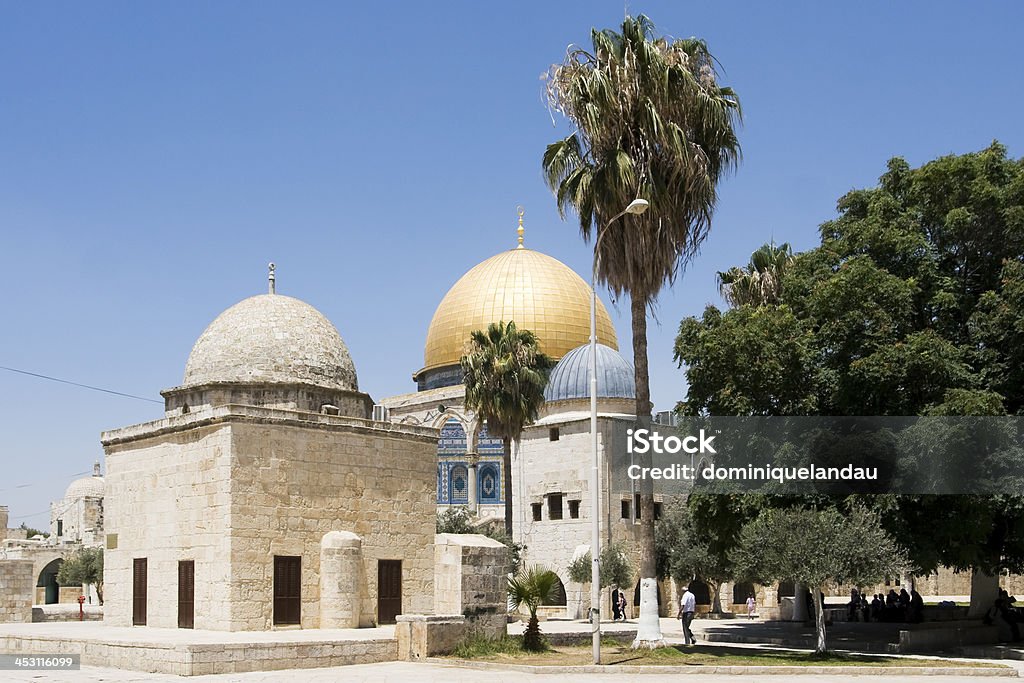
<point>433,672</point>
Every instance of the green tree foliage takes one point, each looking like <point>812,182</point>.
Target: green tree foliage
<point>532,587</point>
<point>30,532</point>
<point>459,520</point>
<point>84,566</point>
<point>505,373</point>
<point>913,304</point>
<point>817,548</point>
<point>760,282</point>
<point>686,554</point>
<point>651,121</point>
<point>615,567</point>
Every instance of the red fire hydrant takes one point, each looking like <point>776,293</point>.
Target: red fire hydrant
<point>81,610</point>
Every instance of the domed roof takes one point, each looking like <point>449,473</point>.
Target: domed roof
<point>538,292</point>
<point>271,339</point>
<point>570,379</point>
<point>86,486</point>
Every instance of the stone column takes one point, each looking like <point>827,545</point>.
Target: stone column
<point>3,522</point>
<point>473,459</point>
<point>340,564</point>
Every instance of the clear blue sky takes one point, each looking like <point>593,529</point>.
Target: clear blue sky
<point>155,156</point>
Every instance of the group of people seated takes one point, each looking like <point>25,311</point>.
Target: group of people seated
<point>1007,617</point>
<point>902,607</point>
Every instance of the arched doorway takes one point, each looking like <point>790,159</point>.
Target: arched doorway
<point>557,598</point>
<point>48,582</point>
<point>636,595</point>
<point>740,591</point>
<point>700,590</point>
<point>787,589</point>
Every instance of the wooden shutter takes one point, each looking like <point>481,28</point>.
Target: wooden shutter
<point>287,589</point>
<point>186,593</point>
<point>139,591</point>
<point>389,590</point>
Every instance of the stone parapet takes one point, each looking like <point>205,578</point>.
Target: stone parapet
<point>422,635</point>
<point>17,585</point>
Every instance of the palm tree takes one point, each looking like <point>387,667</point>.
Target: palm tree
<point>505,373</point>
<point>652,122</point>
<point>532,587</point>
<point>760,282</point>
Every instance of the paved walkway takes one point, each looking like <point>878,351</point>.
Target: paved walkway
<point>421,672</point>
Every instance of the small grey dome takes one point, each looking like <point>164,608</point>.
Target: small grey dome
<point>570,379</point>
<point>271,339</point>
<point>92,487</point>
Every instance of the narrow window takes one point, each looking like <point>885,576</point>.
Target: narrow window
<point>657,511</point>
<point>60,527</point>
<point>553,434</point>
<point>536,507</point>
<point>555,506</point>
<point>574,509</point>
<point>625,509</point>
<point>186,593</point>
<point>636,504</point>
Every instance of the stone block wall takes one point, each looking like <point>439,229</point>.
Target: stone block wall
<point>234,488</point>
<point>470,573</point>
<point>17,585</point>
<point>292,485</point>
<point>168,499</point>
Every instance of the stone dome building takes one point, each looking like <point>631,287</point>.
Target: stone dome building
<point>271,351</point>
<point>78,516</point>
<point>264,455</point>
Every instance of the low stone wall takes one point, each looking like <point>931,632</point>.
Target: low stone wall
<point>931,639</point>
<point>50,613</point>
<point>469,579</point>
<point>215,658</point>
<point>17,587</point>
<point>421,635</point>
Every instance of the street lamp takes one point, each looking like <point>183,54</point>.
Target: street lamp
<point>636,207</point>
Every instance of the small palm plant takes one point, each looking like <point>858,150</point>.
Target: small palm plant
<point>532,587</point>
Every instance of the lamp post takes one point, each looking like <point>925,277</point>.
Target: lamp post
<point>636,207</point>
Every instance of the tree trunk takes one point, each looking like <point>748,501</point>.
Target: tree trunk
<point>819,620</point>
<point>649,630</point>
<point>716,598</point>
<point>506,464</point>
<point>984,591</point>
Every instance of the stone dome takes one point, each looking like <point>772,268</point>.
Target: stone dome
<point>538,292</point>
<point>271,339</point>
<point>570,379</point>
<point>85,487</point>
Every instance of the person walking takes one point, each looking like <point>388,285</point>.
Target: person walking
<point>751,606</point>
<point>622,605</point>
<point>687,606</point>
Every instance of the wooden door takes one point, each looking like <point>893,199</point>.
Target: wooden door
<point>186,593</point>
<point>139,591</point>
<point>389,590</point>
<point>287,589</point>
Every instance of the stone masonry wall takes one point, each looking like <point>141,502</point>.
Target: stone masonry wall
<point>291,485</point>
<point>470,575</point>
<point>17,584</point>
<point>167,500</point>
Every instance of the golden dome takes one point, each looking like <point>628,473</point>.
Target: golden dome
<point>538,292</point>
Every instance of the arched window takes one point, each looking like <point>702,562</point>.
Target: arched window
<point>459,494</point>
<point>489,483</point>
<point>740,591</point>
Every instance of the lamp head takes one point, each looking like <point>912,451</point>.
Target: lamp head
<point>638,206</point>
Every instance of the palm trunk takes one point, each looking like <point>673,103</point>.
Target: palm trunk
<point>649,628</point>
<point>819,620</point>
<point>506,464</point>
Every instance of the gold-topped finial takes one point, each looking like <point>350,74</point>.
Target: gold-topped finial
<point>519,210</point>
<point>271,279</point>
